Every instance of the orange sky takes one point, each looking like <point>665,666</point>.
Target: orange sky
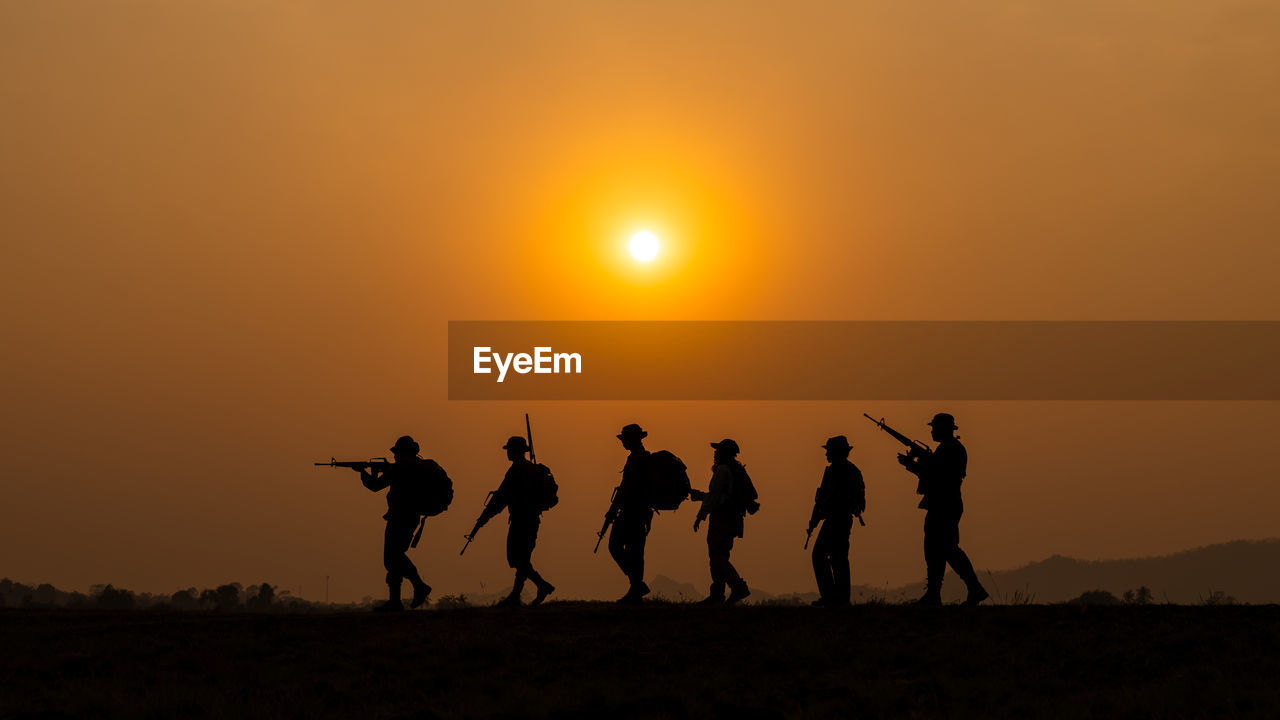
<point>235,232</point>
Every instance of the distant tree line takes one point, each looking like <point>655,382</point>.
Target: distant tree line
<point>1144,596</point>
<point>232,597</point>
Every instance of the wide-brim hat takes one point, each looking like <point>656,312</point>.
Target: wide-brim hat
<point>945,421</point>
<point>838,442</point>
<point>632,430</point>
<point>516,442</point>
<point>727,445</point>
<point>405,443</point>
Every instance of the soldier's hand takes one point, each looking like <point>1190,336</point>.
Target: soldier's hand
<point>904,460</point>
<point>696,523</point>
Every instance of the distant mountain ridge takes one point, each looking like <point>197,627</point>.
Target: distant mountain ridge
<point>1246,570</point>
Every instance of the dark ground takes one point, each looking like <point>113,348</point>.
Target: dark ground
<point>598,660</point>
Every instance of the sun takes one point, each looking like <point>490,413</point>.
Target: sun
<point>644,246</point>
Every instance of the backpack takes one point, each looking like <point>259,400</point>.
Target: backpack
<point>668,481</point>
<point>432,488</point>
<point>545,490</point>
<point>743,495</point>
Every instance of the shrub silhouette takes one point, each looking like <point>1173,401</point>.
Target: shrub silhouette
<point>1217,597</point>
<point>262,600</point>
<point>1141,596</point>
<point>109,598</point>
<point>1096,597</point>
<point>223,599</point>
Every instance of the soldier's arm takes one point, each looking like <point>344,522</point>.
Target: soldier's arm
<point>374,479</point>
<point>497,503</point>
<point>816,516</point>
<point>715,492</point>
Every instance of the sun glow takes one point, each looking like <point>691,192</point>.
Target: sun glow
<point>644,246</point>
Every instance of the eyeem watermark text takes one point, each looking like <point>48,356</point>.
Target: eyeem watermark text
<point>542,362</point>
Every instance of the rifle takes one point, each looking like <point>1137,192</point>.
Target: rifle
<point>370,464</point>
<point>915,449</point>
<point>528,431</point>
<point>476,529</point>
<point>608,518</point>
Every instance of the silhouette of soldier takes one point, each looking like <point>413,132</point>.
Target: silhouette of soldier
<point>941,473</point>
<point>522,494</point>
<point>402,519</point>
<point>730,496</point>
<point>840,497</point>
<point>631,514</point>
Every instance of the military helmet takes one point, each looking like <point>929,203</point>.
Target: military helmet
<point>727,445</point>
<point>944,421</point>
<point>632,430</point>
<point>405,444</point>
<point>516,442</point>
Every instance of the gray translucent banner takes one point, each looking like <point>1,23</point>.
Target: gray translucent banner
<point>864,360</point>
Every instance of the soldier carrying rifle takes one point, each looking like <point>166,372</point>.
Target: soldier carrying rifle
<point>527,491</point>
<point>417,488</point>
<point>650,481</point>
<point>840,498</point>
<point>940,472</point>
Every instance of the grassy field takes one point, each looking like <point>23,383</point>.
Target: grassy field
<point>594,660</point>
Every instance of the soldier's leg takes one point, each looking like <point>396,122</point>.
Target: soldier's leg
<point>963,567</point>
<point>637,556</point>
<point>717,558</point>
<point>822,563</point>
<point>937,548</point>
<point>719,550</point>
<point>529,571</point>
<point>391,555</point>
<point>618,547</point>
<point>839,549</point>
<point>519,554</point>
<point>731,573</point>
<point>402,534</point>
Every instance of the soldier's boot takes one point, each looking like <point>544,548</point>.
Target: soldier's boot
<point>393,603</point>
<point>544,589</point>
<point>964,568</point>
<point>635,594</point>
<point>716,596</point>
<point>740,592</point>
<point>933,592</point>
<point>511,600</point>
<point>421,591</point>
